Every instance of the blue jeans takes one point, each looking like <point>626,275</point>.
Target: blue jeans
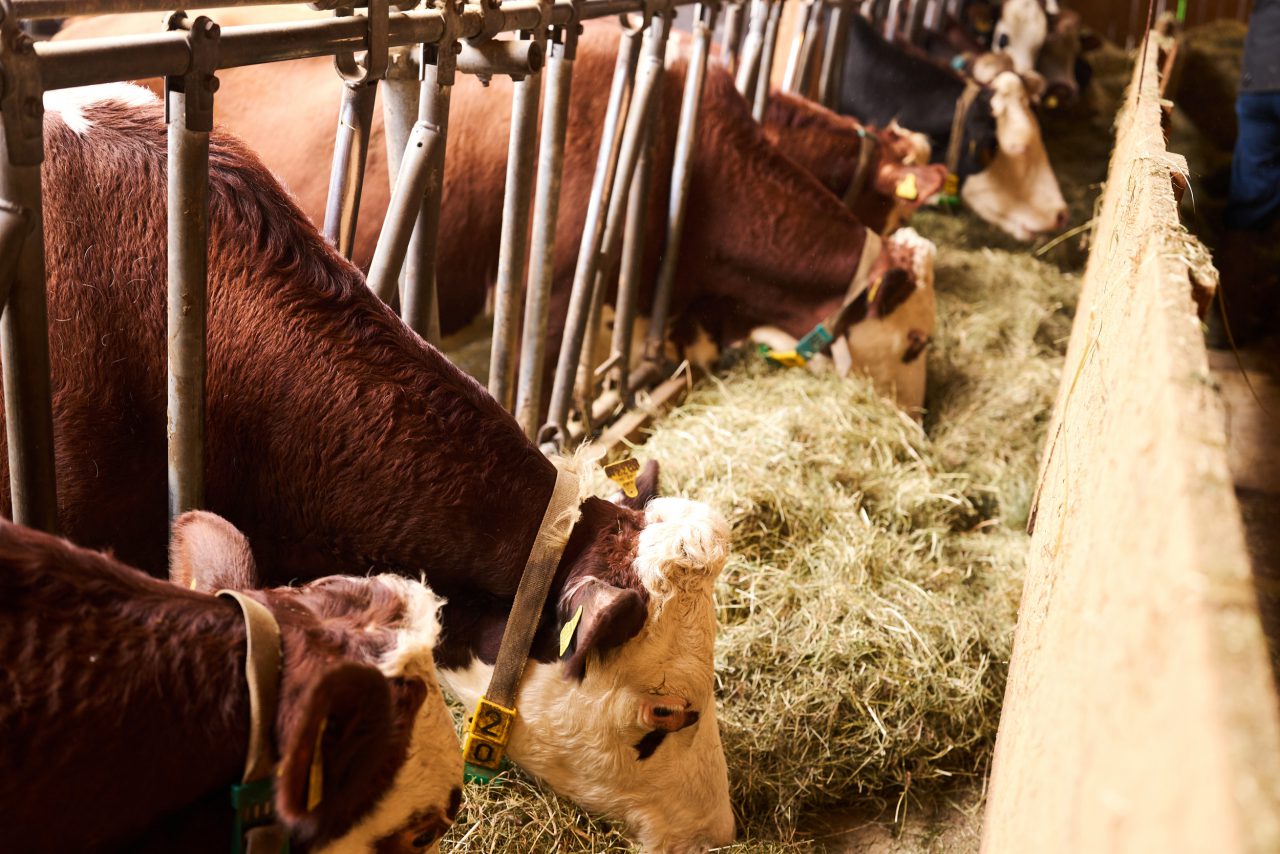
<point>1254,200</point>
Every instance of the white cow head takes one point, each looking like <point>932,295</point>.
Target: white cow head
<point>1020,33</point>
<point>1017,191</point>
<point>364,649</point>
<point>636,737</point>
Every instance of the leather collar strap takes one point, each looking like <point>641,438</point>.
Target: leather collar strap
<point>867,156</point>
<point>956,145</point>
<point>262,672</point>
<point>535,583</point>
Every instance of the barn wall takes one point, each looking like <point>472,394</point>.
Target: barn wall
<point>1123,21</point>
<point>1140,713</point>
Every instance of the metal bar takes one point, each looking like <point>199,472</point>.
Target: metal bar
<point>833,55</point>
<point>421,309</point>
<point>752,48</point>
<point>33,9</point>
<point>808,9</point>
<point>188,282</point>
<point>350,150</point>
<point>812,47</point>
<point>555,430</point>
<point>24,339</point>
<point>681,178</point>
<point>765,79</point>
<point>514,247</point>
<point>732,35</point>
<point>511,58</point>
<point>546,213</point>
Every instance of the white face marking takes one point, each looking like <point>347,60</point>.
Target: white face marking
<point>432,767</point>
<point>70,103</point>
<point>1018,192</point>
<point>580,737</point>
<point>1026,26</point>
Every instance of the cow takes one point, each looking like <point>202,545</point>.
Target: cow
<point>339,442</point>
<point>1004,172</point>
<point>899,180</point>
<point>126,710</point>
<point>764,242</point>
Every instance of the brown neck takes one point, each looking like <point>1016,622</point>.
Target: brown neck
<point>129,698</point>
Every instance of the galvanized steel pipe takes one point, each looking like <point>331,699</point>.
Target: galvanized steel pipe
<point>765,79</point>
<point>421,310</point>
<point>350,150</point>
<point>833,55</point>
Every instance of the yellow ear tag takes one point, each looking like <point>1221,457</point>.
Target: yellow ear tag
<point>566,632</point>
<point>315,781</point>
<point>907,188</point>
<point>623,473</point>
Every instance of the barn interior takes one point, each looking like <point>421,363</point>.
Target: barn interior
<point>905,648</point>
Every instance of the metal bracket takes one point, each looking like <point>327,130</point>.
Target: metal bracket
<point>444,53</point>
<point>198,83</point>
<point>22,95</point>
<point>562,39</point>
<point>373,64</point>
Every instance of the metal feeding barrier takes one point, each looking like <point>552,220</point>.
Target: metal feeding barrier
<point>414,56</point>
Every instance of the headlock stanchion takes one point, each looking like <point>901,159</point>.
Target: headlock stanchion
<point>562,46</point>
<point>513,248</point>
<point>24,328</point>
<point>833,53</point>
<point>748,67</point>
<point>189,116</point>
<point>800,53</point>
<point>764,79</point>
<point>355,120</point>
<point>732,34</point>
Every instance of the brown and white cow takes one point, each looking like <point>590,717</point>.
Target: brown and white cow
<point>339,442</point>
<point>764,243</point>
<point>126,713</point>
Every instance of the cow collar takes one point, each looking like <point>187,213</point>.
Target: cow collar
<point>490,726</point>
<point>256,828</point>
<point>956,144</point>
<point>867,155</point>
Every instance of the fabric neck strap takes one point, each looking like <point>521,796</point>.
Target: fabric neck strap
<point>535,583</point>
<point>956,145</point>
<point>866,162</point>
<point>262,673</point>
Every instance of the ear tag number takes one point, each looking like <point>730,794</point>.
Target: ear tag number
<point>485,743</point>
<point>907,188</point>
<point>624,473</point>
<point>566,632</point>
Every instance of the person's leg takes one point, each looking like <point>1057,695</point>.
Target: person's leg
<point>1255,170</point>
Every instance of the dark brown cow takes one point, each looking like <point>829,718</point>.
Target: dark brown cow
<point>765,243</point>
<point>339,441</point>
<point>828,145</point>
<point>125,710</point>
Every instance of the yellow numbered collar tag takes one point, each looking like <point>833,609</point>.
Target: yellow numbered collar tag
<point>907,188</point>
<point>952,185</point>
<point>624,473</point>
<point>485,742</point>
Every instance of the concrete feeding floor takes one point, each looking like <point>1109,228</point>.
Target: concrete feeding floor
<point>1252,402</point>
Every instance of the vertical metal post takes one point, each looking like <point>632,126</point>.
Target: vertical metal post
<point>508,295</point>
<point>350,149</point>
<point>24,328</point>
<point>731,38</point>
<point>765,79</point>
<point>584,278</point>
<point>681,177</point>
<point>421,310</point>
<point>189,108</point>
<point>561,49</point>
<point>833,55</point>
<point>399,105</point>
<point>795,55</point>
<point>749,65</point>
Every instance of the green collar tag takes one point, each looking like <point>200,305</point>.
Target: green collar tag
<point>254,806</point>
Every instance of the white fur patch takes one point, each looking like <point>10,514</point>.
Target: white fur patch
<point>69,104</point>
<point>684,544</point>
<point>412,653</point>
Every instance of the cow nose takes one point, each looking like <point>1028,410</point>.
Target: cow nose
<point>1061,221</point>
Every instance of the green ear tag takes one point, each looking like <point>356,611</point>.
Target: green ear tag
<point>566,633</point>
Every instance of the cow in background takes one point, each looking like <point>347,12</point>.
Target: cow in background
<point>339,441</point>
<point>126,711</point>
<point>1004,172</point>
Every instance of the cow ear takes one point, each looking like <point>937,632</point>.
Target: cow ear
<point>646,487</point>
<point>208,553</point>
<point>610,617</point>
<point>335,744</point>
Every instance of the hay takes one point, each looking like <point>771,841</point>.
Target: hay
<point>867,610</point>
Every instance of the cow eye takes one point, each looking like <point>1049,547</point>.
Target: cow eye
<point>1003,41</point>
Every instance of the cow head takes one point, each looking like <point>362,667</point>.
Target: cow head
<point>359,699</point>
<point>1062,62</point>
<point>1018,191</point>
<point>1020,33</point>
<point>625,724</point>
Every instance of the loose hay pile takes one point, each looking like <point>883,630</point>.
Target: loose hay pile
<point>867,610</point>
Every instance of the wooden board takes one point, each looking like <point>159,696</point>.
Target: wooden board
<point>1140,713</point>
